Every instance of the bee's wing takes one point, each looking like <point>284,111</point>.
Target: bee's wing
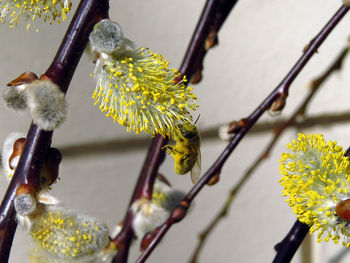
<point>196,169</point>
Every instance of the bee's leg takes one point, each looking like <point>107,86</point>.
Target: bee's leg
<point>170,149</point>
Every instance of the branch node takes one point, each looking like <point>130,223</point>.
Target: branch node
<point>179,212</point>
<point>212,39</point>
<point>215,179</point>
<point>279,104</point>
<point>346,3</point>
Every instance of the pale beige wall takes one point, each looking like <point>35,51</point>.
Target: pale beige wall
<point>259,43</point>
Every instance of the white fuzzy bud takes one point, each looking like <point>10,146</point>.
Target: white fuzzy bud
<point>47,104</point>
<point>25,204</point>
<point>14,98</point>
<point>223,133</point>
<point>8,165</point>
<point>107,36</point>
<point>165,196</point>
<point>147,216</point>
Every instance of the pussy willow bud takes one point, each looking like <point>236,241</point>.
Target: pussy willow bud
<point>107,36</point>
<point>47,104</point>
<point>11,152</point>
<point>25,200</point>
<point>147,216</point>
<point>45,100</point>
<point>14,98</point>
<point>25,204</point>
<point>14,95</point>
<point>165,196</point>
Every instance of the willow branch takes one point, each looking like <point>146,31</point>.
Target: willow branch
<point>290,244</point>
<point>213,16</point>
<point>281,91</point>
<point>143,189</point>
<point>205,36</point>
<point>38,141</point>
<point>278,131</point>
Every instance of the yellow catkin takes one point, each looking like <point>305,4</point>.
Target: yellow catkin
<point>63,234</point>
<point>49,11</point>
<point>137,90</point>
<point>315,178</point>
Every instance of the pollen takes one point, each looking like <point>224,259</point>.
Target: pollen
<point>316,178</point>
<point>13,11</point>
<point>143,95</point>
<point>68,235</point>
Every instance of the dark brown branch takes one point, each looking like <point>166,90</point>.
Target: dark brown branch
<point>204,37</point>
<point>143,189</point>
<point>281,90</point>
<point>144,186</point>
<point>290,244</point>
<point>314,86</point>
<point>38,141</point>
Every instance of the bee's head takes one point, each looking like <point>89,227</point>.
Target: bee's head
<point>188,130</point>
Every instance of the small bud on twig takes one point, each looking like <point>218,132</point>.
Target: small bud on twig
<point>346,3</point>
<point>197,76</point>
<point>279,104</point>
<point>212,39</point>
<point>214,180</point>
<point>16,153</point>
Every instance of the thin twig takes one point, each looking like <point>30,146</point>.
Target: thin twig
<point>280,91</point>
<point>278,131</point>
<point>212,17</point>
<point>88,13</point>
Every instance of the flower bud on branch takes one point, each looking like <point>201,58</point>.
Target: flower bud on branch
<point>45,100</point>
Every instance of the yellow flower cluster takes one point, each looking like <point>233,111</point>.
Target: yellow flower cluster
<point>67,235</point>
<point>316,179</point>
<point>137,89</point>
<point>12,11</point>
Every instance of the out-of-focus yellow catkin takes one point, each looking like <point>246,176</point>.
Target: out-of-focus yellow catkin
<point>13,11</point>
<point>67,235</point>
<point>316,177</point>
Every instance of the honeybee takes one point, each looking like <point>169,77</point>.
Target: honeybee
<point>186,151</point>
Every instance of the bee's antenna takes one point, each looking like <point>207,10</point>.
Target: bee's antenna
<point>197,119</point>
